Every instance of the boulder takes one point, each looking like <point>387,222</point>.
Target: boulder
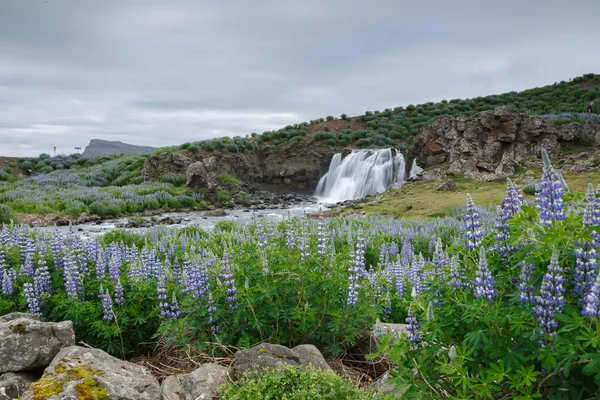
<point>487,146</point>
<point>368,345</point>
<point>383,386</point>
<point>203,175</point>
<point>78,372</point>
<point>200,384</point>
<point>165,163</point>
<point>311,356</point>
<point>26,343</point>
<point>447,186</point>
<point>263,357</point>
<point>13,385</point>
<point>217,212</point>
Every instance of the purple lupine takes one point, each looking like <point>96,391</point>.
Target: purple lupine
<point>412,330</point>
<point>114,268</point>
<point>596,212</point>
<point>2,262</point>
<point>398,275</point>
<point>591,306</point>
<point>100,266</point>
<point>321,238</point>
<point>387,309</point>
<point>525,287</point>
<point>415,274</point>
<point>228,280</point>
<point>7,284</point>
<point>119,294</point>
<point>27,269</point>
<point>550,300</point>
<point>439,259</point>
<point>472,224</point>
<point>107,307</point>
<point>212,320</point>
<point>407,254</point>
<point>32,299</point>
<point>455,281</point>
<point>483,285</point>
<point>432,244</point>
<point>551,191</point>
<point>161,295</point>
<point>586,263</point>
<point>42,281</point>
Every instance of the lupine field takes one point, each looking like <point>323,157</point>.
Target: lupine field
<point>501,304</point>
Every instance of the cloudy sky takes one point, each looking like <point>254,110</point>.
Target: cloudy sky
<point>164,72</point>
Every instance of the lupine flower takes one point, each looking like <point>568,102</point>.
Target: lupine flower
<point>100,267</point>
<point>321,238</point>
<point>452,353</point>
<point>415,272</point>
<point>398,275</point>
<point>549,198</point>
<point>119,294</point>
<point>7,287</point>
<point>107,307</point>
<point>174,312</point>
<point>455,281</point>
<point>473,226</point>
<point>227,276</point>
<point>430,316</point>
<point>586,263</point>
<point>525,287</point>
<point>591,306</point>
<point>439,259</point>
<point>412,330</point>
<point>32,299</point>
<point>387,310</point>
<point>212,320</point>
<point>484,282</point>
<point>379,330</point>
<point>550,300</point>
<point>42,281</point>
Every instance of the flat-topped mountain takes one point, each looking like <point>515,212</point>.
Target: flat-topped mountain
<point>99,147</point>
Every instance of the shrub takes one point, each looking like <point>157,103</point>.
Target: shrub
<point>293,384</point>
<point>175,179</point>
<point>227,178</point>
<point>223,196</point>
<point>344,117</point>
<point>6,214</point>
<point>330,118</point>
<point>3,175</point>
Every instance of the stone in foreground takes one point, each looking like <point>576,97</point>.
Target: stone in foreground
<point>26,343</point>
<point>263,357</point>
<point>13,385</point>
<point>311,356</point>
<point>82,373</point>
<point>200,384</point>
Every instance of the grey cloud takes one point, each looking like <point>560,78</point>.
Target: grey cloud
<point>161,73</point>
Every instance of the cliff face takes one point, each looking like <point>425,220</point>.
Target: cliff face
<point>99,147</point>
<point>297,169</point>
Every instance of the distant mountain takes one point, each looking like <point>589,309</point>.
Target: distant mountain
<point>99,147</point>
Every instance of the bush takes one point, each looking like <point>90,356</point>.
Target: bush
<point>226,178</point>
<point>330,118</point>
<point>344,117</point>
<point>293,384</point>
<point>6,214</point>
<point>3,175</point>
<point>174,179</point>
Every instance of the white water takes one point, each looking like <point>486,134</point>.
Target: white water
<point>361,173</point>
<point>414,169</point>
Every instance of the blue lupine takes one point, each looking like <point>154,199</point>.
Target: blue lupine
<point>439,259</point>
<point>174,311</point>
<point>32,299</point>
<point>387,309</point>
<point>321,238</point>
<point>591,306</point>
<point>119,294</point>
<point>228,280</point>
<point>550,300</point>
<point>586,263</point>
<point>525,287</point>
<point>483,285</point>
<point>100,267</point>
<point>549,197</point>
<point>212,320</point>
<point>42,281</point>
<point>415,274</point>
<point>107,307</point>
<point>412,330</point>
<point>473,225</point>
<point>455,281</point>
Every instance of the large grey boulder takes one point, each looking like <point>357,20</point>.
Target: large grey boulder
<point>203,174</point>
<point>76,372</point>
<point>13,385</point>
<point>200,384</point>
<point>26,343</point>
<point>310,356</point>
<point>264,357</point>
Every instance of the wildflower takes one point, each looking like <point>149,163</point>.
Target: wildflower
<point>525,287</point>
<point>387,310</point>
<point>452,353</point>
<point>7,287</point>
<point>472,225</point>
<point>379,330</point>
<point>550,300</point>
<point>439,259</point>
<point>484,283</point>
<point>227,276</point>
<point>430,316</point>
<point>592,300</point>
<point>549,198</point>
<point>586,263</point>
<point>107,307</point>
<point>32,299</point>
<point>412,330</point>
<point>455,282</point>
<point>119,293</point>
<point>174,312</point>
<point>212,320</point>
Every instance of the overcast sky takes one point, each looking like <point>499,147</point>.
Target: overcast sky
<point>164,72</point>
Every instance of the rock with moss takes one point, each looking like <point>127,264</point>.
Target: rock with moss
<point>13,385</point>
<point>310,356</point>
<point>203,383</point>
<point>26,343</point>
<point>82,373</point>
<point>264,357</point>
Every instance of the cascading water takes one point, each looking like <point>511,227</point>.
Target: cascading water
<point>361,173</point>
<point>414,170</point>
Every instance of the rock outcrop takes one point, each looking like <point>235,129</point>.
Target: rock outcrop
<point>486,146</point>
<point>26,343</point>
<point>164,164</point>
<point>204,174</point>
<point>78,372</point>
<point>203,383</point>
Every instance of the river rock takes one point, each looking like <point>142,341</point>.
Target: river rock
<point>200,384</point>
<point>77,372</point>
<point>218,212</point>
<point>13,385</point>
<point>311,356</point>
<point>263,357</point>
<point>26,343</point>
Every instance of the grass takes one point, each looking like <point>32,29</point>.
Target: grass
<point>420,200</point>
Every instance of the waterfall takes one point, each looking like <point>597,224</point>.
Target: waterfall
<point>361,173</point>
<point>414,170</point>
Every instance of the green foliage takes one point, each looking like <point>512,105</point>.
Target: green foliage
<point>174,179</point>
<point>6,214</point>
<point>227,178</point>
<point>293,384</point>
